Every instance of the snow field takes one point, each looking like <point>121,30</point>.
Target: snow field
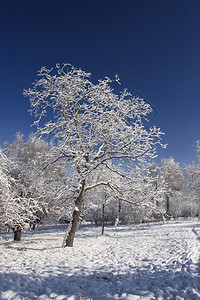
<point>131,262</point>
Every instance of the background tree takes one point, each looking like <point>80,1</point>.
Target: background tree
<point>198,150</point>
<point>146,197</point>
<point>190,191</point>
<point>91,126</point>
<point>5,189</point>
<point>100,203</point>
<point>47,186</point>
<point>171,172</point>
<point>17,207</point>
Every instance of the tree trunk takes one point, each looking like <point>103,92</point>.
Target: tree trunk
<point>103,218</point>
<point>17,234</point>
<point>167,208</point>
<point>34,225</point>
<point>119,215</point>
<point>163,218</point>
<point>75,218</point>
<point>167,204</point>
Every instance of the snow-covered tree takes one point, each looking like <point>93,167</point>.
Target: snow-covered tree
<point>171,172</point>
<point>91,126</point>
<point>198,150</point>
<point>146,197</point>
<point>137,200</point>
<point>17,207</point>
<point>25,158</point>
<point>186,199</point>
<point>100,203</point>
<point>48,186</point>
<point>191,190</point>
<point>5,189</point>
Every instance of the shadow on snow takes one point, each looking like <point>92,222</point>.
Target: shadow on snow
<point>99,285</point>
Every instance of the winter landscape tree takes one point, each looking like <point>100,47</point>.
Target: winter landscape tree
<point>91,126</point>
<point>171,173</point>
<point>100,203</point>
<point>26,158</point>
<point>17,206</point>
<point>47,186</point>
<point>190,191</point>
<point>5,189</point>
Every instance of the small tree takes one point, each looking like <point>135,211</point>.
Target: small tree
<point>91,126</point>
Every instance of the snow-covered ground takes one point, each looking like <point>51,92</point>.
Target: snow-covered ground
<point>132,262</point>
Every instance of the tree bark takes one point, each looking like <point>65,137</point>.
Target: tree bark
<point>166,215</point>
<point>103,218</point>
<point>119,215</point>
<point>17,234</point>
<point>75,217</point>
<point>167,204</point>
<point>167,207</point>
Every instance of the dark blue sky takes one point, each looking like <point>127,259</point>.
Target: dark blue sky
<point>154,46</point>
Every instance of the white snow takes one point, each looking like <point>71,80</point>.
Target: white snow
<point>130,262</point>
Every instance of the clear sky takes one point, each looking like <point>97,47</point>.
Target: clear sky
<point>154,46</point>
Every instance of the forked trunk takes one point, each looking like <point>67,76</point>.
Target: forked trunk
<point>17,234</point>
<point>75,218</point>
